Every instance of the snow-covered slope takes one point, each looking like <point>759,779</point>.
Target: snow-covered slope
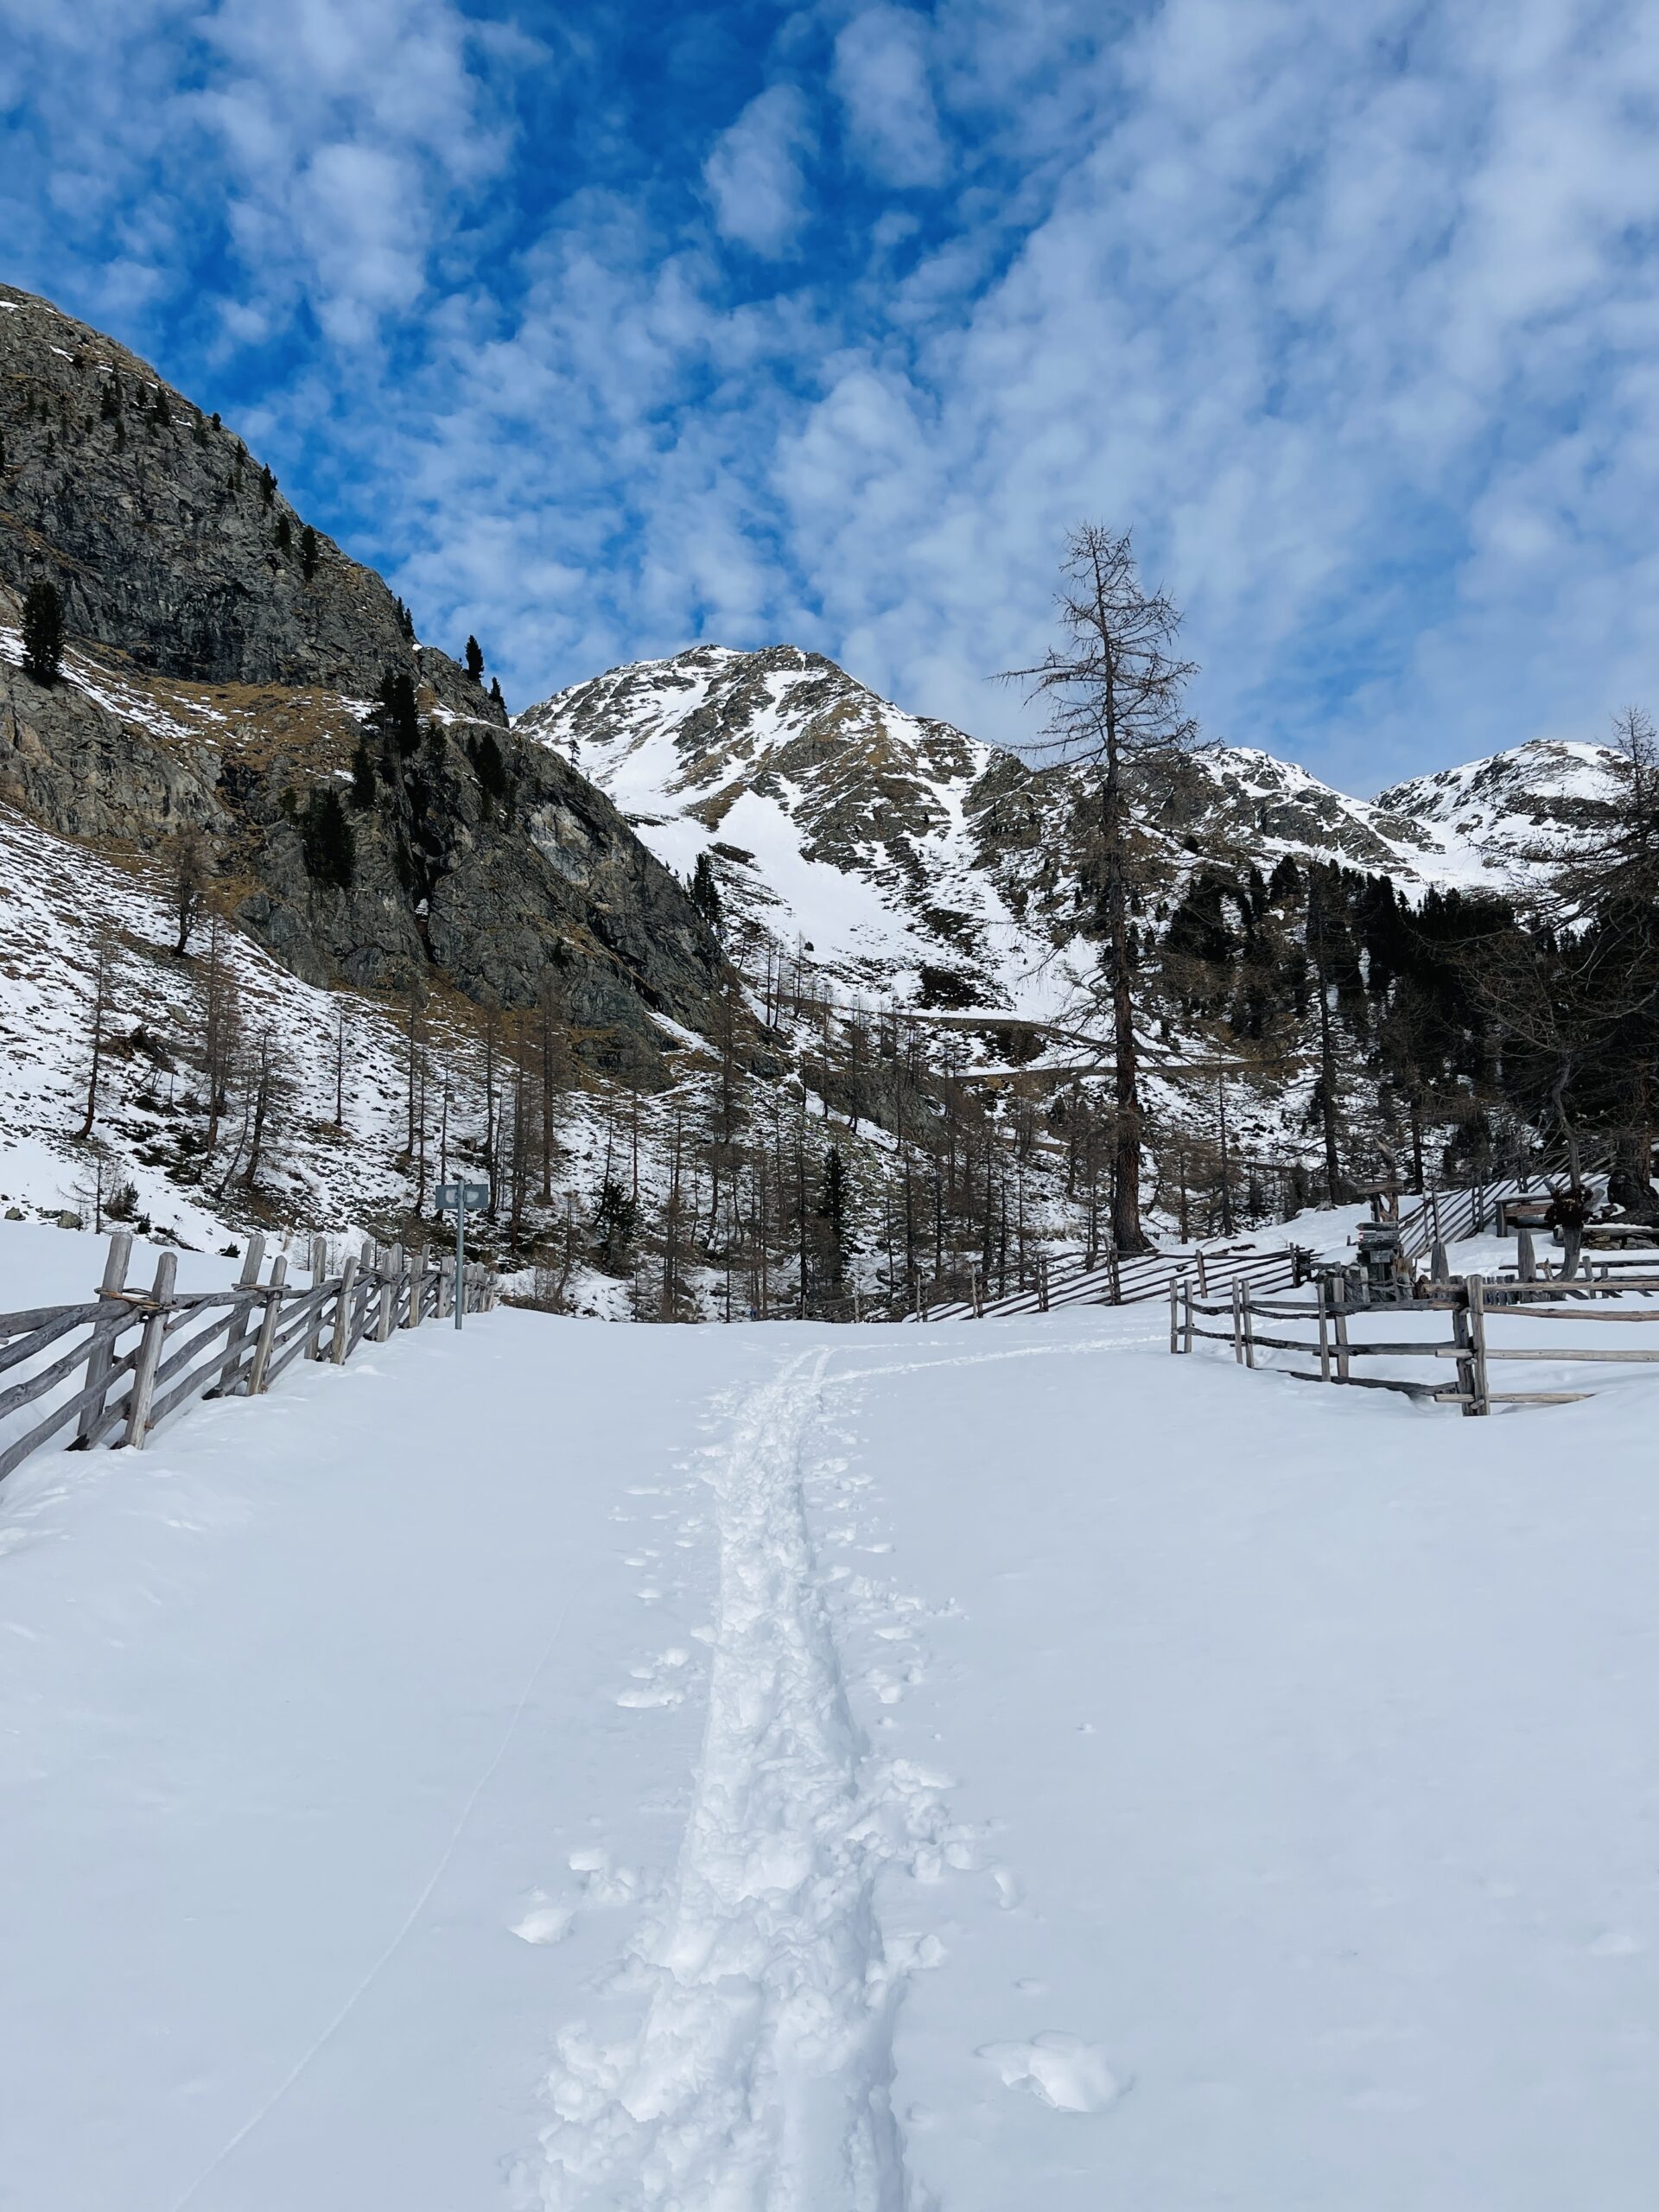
<point>1499,817</point>
<point>60,903</point>
<point>808,1791</point>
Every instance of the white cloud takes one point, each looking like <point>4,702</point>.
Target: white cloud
<point>1350,312</point>
<point>880,73</point>
<point>753,173</point>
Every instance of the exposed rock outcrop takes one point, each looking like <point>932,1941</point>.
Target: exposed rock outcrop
<point>507,880</point>
<point>223,665</point>
<point>168,540</point>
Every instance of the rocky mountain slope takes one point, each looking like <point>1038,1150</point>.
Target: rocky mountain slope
<point>169,541</point>
<point>921,866</point>
<point>222,676</point>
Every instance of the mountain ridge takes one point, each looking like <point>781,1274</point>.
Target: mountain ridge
<point>777,766</point>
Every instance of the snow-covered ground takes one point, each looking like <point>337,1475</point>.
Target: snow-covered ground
<point>832,1771</point>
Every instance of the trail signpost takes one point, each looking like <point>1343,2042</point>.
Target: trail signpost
<point>460,1199</point>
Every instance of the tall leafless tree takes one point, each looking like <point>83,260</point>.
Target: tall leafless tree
<point>99,1007</point>
<point>1114,690</point>
<point>192,865</point>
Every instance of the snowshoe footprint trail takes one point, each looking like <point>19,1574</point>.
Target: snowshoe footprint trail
<point>759,2079</point>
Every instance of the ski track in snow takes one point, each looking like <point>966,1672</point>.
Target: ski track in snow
<point>759,2079</point>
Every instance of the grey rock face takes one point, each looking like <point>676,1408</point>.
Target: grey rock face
<point>219,671</point>
<point>166,536</point>
<point>508,886</point>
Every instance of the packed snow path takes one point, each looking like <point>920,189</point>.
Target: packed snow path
<point>788,1770</point>
<point>761,2076</point>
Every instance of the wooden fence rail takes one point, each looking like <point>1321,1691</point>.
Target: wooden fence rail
<point>1469,1305</point>
<point>1129,1281</point>
<point>145,1353</point>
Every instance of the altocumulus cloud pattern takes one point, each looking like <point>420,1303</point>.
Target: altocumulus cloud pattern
<point>607,329</point>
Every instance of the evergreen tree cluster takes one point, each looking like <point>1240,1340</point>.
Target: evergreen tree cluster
<point>493,778</point>
<point>43,631</point>
<point>329,841</point>
<point>705,892</point>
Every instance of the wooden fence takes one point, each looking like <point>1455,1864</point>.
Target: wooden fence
<point>1468,1306</point>
<point>1130,1280</point>
<point>143,1353</point>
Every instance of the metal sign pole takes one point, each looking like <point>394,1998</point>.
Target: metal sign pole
<point>462,1198</point>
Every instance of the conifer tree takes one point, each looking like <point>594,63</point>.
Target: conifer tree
<point>705,892</point>
<point>396,713</point>
<point>192,865</point>
<point>495,693</point>
<point>363,779</point>
<point>285,535</point>
<point>491,768</point>
<point>309,552</point>
<point>832,1214</point>
<point>615,1221</point>
<point>330,841</point>
<point>43,631</point>
<point>474,660</point>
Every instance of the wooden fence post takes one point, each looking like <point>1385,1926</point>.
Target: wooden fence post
<point>252,1260</point>
<point>1476,1292</point>
<point>1238,1327</point>
<point>1113,1277</point>
<point>1203,1288</point>
<point>319,1277</point>
<point>268,1327</point>
<point>343,1309</point>
<point>1174,1313</point>
<point>1248,1319</point>
<point>1339,1320</point>
<point>1186,1287</point>
<point>150,1351</point>
<point>101,1358</point>
<point>1322,1300</point>
<point>414,1271</point>
<point>390,1270</point>
<point>1526,1259</point>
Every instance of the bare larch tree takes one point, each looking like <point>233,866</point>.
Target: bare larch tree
<point>1114,691</point>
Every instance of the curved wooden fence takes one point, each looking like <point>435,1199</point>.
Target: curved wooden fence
<point>141,1354</point>
<point>1115,1281</point>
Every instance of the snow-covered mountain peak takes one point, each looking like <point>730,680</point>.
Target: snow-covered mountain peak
<point>921,863</point>
<point>711,722</point>
<point>834,818</point>
<point>1543,780</point>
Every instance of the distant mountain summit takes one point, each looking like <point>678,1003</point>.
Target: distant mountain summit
<point>917,862</point>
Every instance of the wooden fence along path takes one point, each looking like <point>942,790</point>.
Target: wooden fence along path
<point>1127,1282</point>
<point>144,1353</point>
<point>1439,1218</point>
<point>1467,1305</point>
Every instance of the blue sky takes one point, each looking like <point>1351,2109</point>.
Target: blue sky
<point>604,330</point>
